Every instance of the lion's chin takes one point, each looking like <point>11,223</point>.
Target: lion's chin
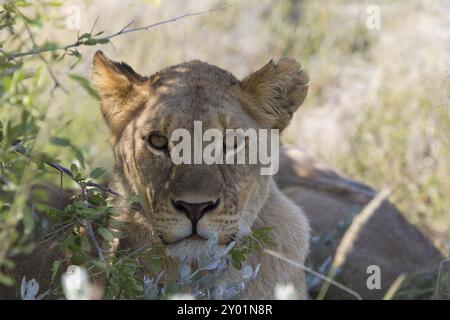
<point>188,249</point>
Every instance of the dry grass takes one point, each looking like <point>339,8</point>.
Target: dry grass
<point>350,236</point>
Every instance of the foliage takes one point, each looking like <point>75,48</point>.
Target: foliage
<point>258,239</point>
<point>21,119</point>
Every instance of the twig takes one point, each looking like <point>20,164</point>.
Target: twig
<point>90,229</point>
<point>23,151</point>
<point>103,188</point>
<point>94,240</point>
<point>67,172</point>
<point>48,235</point>
<point>47,65</point>
<point>95,23</point>
<point>124,30</point>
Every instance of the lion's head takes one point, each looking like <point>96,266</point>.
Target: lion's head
<point>186,204</point>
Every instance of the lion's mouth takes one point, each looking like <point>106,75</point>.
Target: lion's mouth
<point>191,237</point>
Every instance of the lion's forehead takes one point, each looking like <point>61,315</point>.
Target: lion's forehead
<point>194,71</point>
<point>193,87</point>
<point>213,106</point>
<point>203,115</point>
<point>194,91</point>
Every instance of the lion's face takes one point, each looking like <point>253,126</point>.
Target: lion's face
<point>186,204</point>
<point>190,201</point>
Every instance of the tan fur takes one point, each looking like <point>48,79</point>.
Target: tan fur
<point>278,89</point>
<point>122,91</point>
<point>175,98</point>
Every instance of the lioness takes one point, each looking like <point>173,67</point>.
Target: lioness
<point>184,205</point>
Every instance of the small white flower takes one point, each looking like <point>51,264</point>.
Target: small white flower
<point>285,292</point>
<point>182,296</point>
<point>75,283</point>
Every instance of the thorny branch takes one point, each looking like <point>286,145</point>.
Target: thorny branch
<point>84,192</point>
<point>67,172</point>
<point>105,39</point>
<point>90,230</point>
<point>47,65</point>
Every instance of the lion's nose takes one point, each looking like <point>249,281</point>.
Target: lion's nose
<point>195,211</point>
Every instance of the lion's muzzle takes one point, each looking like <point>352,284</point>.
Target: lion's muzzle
<point>195,211</point>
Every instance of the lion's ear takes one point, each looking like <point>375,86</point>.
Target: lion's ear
<point>275,92</point>
<point>122,91</point>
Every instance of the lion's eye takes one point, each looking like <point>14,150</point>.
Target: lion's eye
<point>158,141</point>
<point>229,145</point>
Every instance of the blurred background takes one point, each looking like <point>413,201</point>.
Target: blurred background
<point>378,108</point>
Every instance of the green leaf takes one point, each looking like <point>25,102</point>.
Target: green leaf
<point>60,141</point>
<point>9,264</point>
<point>64,245</point>
<point>90,42</point>
<point>106,234</point>
<point>74,53</point>
<point>79,156</point>
<point>50,46</point>
<point>97,173</point>
<point>101,265</point>
<point>238,255</point>
<point>85,245</point>
<point>74,169</point>
<point>86,35</point>
<point>55,3</point>
<point>78,177</point>
<point>6,280</point>
<point>118,234</point>
<point>117,223</point>
<point>98,200</point>
<point>103,41</point>
<point>77,259</point>
<point>22,4</point>
<point>85,84</point>
<point>156,263</point>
